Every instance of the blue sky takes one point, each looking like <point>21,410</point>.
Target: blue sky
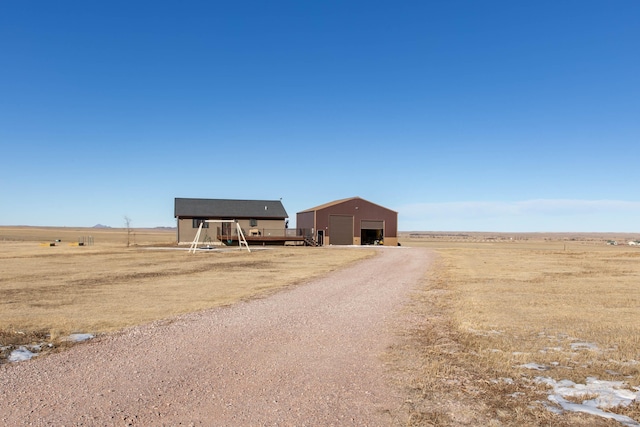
<point>460,115</point>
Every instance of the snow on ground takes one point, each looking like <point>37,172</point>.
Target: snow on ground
<point>27,352</point>
<point>599,395</point>
<point>535,366</point>
<point>584,346</point>
<point>79,337</point>
<point>21,354</point>
<point>595,396</point>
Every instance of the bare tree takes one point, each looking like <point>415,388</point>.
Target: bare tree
<point>127,223</point>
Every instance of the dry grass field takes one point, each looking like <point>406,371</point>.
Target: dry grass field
<point>48,292</point>
<point>498,320</point>
<point>497,312</point>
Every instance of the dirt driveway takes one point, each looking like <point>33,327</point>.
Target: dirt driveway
<point>307,356</point>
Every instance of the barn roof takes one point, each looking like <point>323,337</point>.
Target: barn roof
<point>229,208</point>
<point>337,202</point>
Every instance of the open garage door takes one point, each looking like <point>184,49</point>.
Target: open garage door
<point>340,230</point>
<point>371,232</point>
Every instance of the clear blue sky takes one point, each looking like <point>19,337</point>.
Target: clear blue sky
<point>461,115</point>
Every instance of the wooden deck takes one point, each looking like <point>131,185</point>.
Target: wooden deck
<point>261,240</point>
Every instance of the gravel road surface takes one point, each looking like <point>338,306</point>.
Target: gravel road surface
<point>306,356</point>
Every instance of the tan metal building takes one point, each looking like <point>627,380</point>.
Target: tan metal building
<point>352,221</point>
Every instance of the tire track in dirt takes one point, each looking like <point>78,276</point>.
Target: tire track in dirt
<point>306,356</point>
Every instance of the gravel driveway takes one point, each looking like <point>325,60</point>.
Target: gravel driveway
<point>306,356</point>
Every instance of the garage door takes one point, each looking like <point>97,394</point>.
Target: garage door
<point>371,225</point>
<point>340,230</point>
<point>371,232</point>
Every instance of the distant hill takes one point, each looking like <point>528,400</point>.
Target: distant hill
<point>153,228</point>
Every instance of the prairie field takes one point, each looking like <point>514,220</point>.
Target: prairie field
<point>497,325</point>
<point>502,321</point>
<point>48,292</point>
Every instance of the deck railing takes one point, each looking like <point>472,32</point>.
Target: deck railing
<point>257,232</point>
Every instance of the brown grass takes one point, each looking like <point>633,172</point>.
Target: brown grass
<point>489,305</point>
<point>488,308</point>
<point>101,236</point>
<point>57,290</point>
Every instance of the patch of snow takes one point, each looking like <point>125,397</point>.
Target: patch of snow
<point>552,408</point>
<point>535,366</point>
<point>609,394</point>
<point>484,333</point>
<point>577,407</point>
<point>80,337</point>
<point>584,346</point>
<point>503,380</point>
<point>21,354</point>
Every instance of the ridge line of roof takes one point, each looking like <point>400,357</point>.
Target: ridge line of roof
<point>326,205</point>
<point>337,202</point>
<point>231,200</point>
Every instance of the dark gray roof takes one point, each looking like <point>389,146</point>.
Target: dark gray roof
<point>231,209</point>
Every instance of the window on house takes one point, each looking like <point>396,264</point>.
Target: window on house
<point>253,223</point>
<point>198,221</point>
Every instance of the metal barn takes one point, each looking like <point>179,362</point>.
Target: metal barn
<point>352,221</point>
